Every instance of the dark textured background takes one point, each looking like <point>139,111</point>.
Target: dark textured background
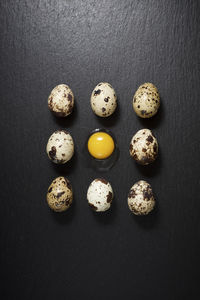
<point>82,255</point>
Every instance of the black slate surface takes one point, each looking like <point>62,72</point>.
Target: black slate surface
<point>82,255</point>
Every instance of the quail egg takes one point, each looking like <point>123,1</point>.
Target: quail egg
<point>103,100</point>
<point>100,195</point>
<point>60,147</point>
<point>61,100</point>
<point>60,195</point>
<point>146,100</point>
<point>144,147</point>
<point>140,198</point>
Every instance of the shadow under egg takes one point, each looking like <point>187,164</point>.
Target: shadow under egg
<point>101,165</point>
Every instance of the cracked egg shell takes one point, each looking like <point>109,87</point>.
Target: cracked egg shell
<point>103,100</point>
<point>59,194</point>
<point>61,100</point>
<point>60,147</point>
<point>146,100</point>
<point>100,195</point>
<point>140,198</point>
<point>144,147</point>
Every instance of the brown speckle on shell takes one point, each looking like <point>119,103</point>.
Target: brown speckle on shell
<point>109,197</point>
<point>68,183</point>
<point>149,139</point>
<point>59,194</point>
<point>155,147</point>
<point>92,206</point>
<point>131,193</point>
<point>49,190</point>
<point>52,153</point>
<point>97,92</point>
<point>69,97</point>
<point>102,180</point>
<point>143,112</point>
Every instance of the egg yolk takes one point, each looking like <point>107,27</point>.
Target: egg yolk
<point>100,145</point>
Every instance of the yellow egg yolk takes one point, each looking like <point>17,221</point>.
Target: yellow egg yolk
<point>101,145</point>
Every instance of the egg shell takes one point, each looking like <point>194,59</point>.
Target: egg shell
<point>100,195</point>
<point>61,100</point>
<point>140,198</point>
<point>144,147</point>
<point>103,100</point>
<point>59,194</point>
<point>60,147</point>
<point>146,100</point>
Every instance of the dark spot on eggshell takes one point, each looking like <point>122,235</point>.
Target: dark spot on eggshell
<point>103,109</point>
<point>92,206</point>
<point>102,180</point>
<point>59,194</point>
<point>52,153</point>
<point>131,193</point>
<point>144,150</point>
<point>69,97</point>
<point>143,112</point>
<point>149,139</point>
<point>50,103</point>
<point>65,131</point>
<point>70,108</point>
<point>148,194</point>
<point>106,99</point>
<point>49,190</point>
<point>135,156</point>
<point>155,147</point>
<point>67,202</point>
<point>109,197</point>
<point>68,184</point>
<point>131,147</point>
<point>97,92</point>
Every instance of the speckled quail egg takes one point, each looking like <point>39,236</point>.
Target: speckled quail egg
<point>144,147</point>
<point>146,100</point>
<point>60,195</point>
<point>100,195</point>
<point>140,198</point>
<point>61,100</point>
<point>60,147</point>
<point>103,100</point>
